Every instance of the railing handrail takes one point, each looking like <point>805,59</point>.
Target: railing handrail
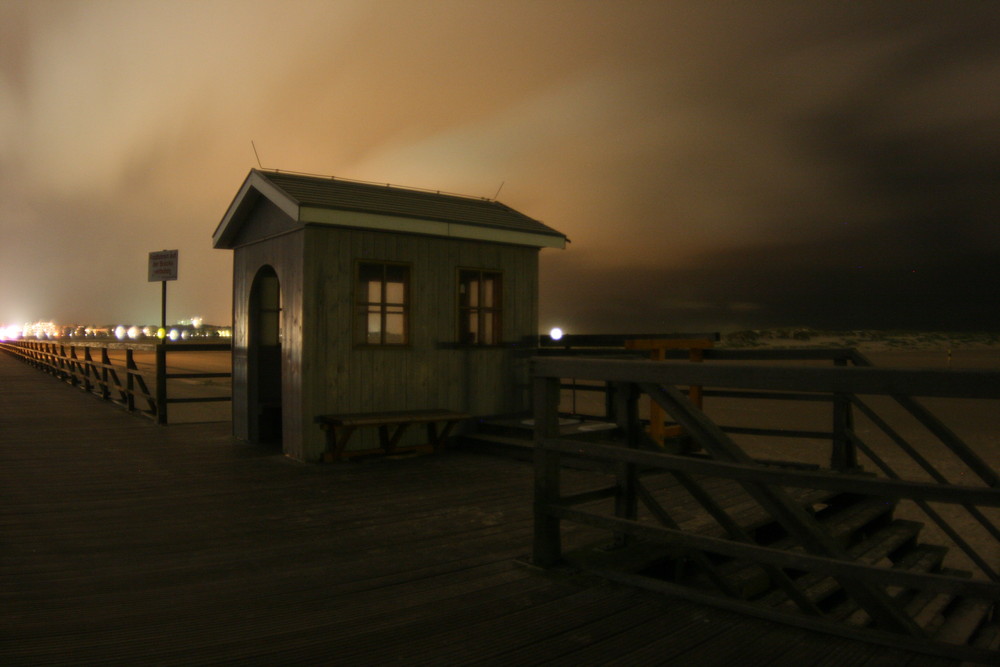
<point>931,382</point>
<point>59,357</point>
<point>813,479</point>
<point>819,552</point>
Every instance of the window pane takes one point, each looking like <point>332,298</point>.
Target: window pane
<point>473,292</point>
<point>480,301</point>
<point>489,289</point>
<point>395,293</point>
<point>368,273</point>
<point>374,329</point>
<point>491,328</point>
<point>395,273</point>
<point>464,291</point>
<point>369,283</point>
<point>371,292</point>
<point>395,331</point>
<point>471,328</point>
<point>380,285</point>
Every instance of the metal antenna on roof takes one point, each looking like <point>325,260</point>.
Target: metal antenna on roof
<point>498,190</point>
<point>255,154</point>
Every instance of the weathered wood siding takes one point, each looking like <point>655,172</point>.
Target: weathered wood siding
<point>431,372</point>
<point>324,371</point>
<point>265,221</point>
<point>284,254</point>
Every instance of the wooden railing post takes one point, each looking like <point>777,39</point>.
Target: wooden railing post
<point>547,549</point>
<point>129,380</point>
<point>696,347</point>
<point>161,383</point>
<point>626,493</point>
<point>105,374</point>
<point>844,453</point>
<point>74,365</point>
<point>609,401</point>
<point>88,368</point>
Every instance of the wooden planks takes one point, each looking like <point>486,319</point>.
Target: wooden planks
<point>122,542</point>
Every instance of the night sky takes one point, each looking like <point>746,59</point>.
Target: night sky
<point>716,165</point>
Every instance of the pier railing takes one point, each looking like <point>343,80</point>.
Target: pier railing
<point>830,552</point>
<point>110,371</point>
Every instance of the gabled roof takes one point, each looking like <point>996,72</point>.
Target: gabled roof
<point>345,203</point>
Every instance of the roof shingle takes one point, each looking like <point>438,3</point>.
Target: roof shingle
<point>338,194</point>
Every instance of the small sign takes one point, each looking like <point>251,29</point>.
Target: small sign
<point>162,266</point>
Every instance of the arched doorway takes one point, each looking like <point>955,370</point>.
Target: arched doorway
<point>264,361</point>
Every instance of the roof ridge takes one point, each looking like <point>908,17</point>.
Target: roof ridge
<point>409,188</point>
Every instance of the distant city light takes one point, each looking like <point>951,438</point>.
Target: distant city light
<point>191,330</point>
<point>556,333</point>
<point>11,332</point>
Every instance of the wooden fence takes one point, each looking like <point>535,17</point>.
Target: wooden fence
<point>91,367</point>
<point>873,580</point>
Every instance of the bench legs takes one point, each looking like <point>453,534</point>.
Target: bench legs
<point>336,443</point>
<point>389,444</point>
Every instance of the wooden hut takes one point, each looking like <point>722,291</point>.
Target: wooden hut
<point>356,297</point>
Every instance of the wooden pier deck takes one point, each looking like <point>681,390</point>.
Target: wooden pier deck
<point>123,542</point>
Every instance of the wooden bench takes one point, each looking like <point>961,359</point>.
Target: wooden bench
<point>339,429</point>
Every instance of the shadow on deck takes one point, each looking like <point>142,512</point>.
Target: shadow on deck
<point>122,542</point>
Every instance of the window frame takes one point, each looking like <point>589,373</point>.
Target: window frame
<point>483,314</point>
<point>363,308</point>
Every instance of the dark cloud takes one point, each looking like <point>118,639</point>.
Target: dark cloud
<point>877,280</point>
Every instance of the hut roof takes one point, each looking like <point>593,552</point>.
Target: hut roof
<point>346,203</point>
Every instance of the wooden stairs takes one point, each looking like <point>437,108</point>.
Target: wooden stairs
<point>870,534</point>
<point>864,527</point>
<point>868,531</point>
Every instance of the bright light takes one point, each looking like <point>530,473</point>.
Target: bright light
<point>556,333</point>
<point>161,333</point>
<point>121,332</point>
<point>185,334</point>
<point>40,330</point>
<point>133,332</point>
<point>196,322</point>
<point>174,334</point>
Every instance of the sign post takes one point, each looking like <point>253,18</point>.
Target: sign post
<point>162,267</point>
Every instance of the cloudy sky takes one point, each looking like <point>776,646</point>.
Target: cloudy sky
<point>716,164</point>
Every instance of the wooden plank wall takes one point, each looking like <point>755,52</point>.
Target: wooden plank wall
<point>431,372</point>
<point>284,254</point>
<point>323,371</point>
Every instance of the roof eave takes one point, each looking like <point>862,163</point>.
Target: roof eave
<point>255,185</point>
<point>428,227</point>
